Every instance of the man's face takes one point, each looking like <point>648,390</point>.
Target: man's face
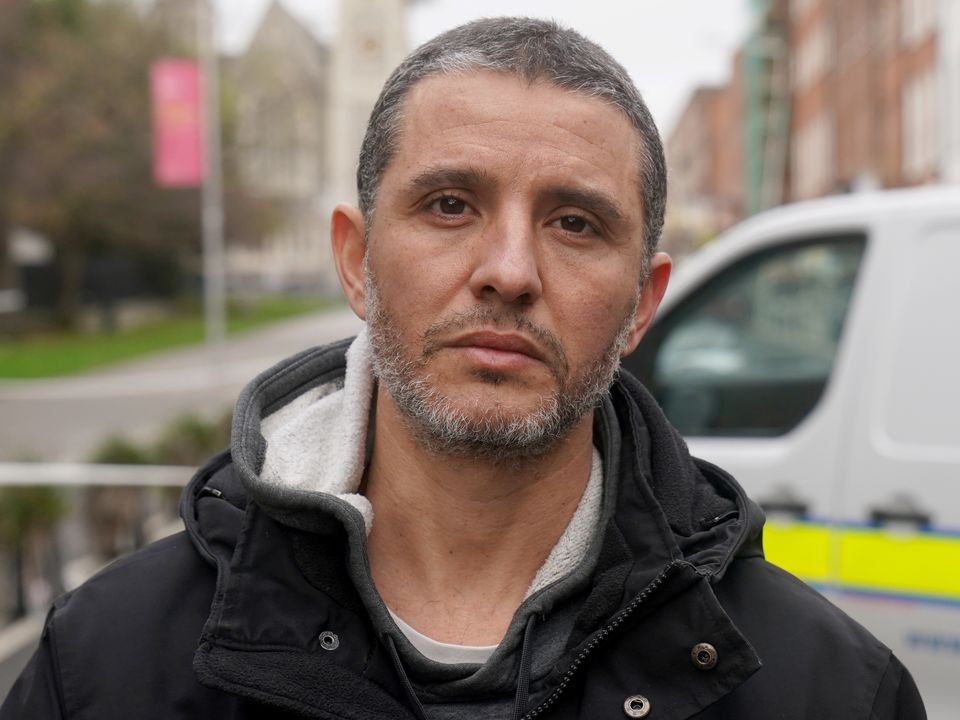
<point>502,270</point>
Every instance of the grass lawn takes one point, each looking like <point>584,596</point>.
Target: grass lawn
<point>55,354</point>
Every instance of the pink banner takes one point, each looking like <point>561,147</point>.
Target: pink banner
<point>178,157</point>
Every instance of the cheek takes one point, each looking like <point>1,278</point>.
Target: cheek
<point>593,316</point>
<point>416,285</point>
<point>602,294</point>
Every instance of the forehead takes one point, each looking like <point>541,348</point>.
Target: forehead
<point>497,123</point>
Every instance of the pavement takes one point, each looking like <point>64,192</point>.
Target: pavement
<point>66,419</point>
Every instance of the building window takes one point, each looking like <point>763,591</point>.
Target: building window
<point>918,19</point>
<point>814,56</point>
<point>812,158</point>
<point>919,108</point>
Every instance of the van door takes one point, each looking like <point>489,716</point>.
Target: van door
<point>898,550</point>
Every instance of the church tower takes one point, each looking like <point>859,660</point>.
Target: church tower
<point>370,43</point>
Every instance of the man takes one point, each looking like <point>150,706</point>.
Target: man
<point>465,513</point>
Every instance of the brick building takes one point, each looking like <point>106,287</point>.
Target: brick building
<point>831,96</point>
<point>863,95</point>
<point>704,153</point>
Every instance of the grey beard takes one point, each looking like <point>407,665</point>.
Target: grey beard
<point>442,427</point>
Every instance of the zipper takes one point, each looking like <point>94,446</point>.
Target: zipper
<point>617,621</point>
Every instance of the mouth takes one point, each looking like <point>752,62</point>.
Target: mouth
<point>498,350</point>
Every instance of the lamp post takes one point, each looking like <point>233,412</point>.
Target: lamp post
<point>211,193</point>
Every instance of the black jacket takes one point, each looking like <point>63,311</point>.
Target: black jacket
<point>251,613</point>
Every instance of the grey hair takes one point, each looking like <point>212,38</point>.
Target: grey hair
<point>531,50</point>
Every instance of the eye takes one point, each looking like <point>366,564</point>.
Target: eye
<point>450,205</point>
<point>574,224</point>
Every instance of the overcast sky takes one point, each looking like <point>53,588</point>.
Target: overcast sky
<point>668,46</point>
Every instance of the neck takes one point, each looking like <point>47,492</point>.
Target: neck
<point>457,540</point>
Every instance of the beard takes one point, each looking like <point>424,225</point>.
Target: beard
<point>450,426</point>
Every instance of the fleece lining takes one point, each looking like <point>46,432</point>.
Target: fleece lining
<point>317,442</point>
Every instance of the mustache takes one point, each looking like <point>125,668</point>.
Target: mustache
<point>481,317</point>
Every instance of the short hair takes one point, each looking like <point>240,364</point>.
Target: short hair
<point>532,50</point>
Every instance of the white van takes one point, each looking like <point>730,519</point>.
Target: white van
<point>814,352</point>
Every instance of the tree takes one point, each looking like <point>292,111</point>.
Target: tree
<point>13,14</point>
<point>27,517</point>
<point>82,164</point>
<point>76,142</point>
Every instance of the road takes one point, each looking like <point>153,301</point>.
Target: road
<point>66,419</point>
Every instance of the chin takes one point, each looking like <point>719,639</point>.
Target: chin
<point>485,428</point>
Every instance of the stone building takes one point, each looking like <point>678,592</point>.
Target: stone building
<point>300,104</point>
<point>370,43</point>
<point>281,97</point>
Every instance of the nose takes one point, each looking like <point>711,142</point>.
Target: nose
<point>506,265</point>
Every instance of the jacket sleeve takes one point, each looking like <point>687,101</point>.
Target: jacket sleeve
<point>897,697</point>
<point>37,693</point>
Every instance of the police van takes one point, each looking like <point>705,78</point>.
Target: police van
<point>814,352</point>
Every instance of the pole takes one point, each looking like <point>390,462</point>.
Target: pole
<point>214,274</point>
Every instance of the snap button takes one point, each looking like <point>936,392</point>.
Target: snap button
<point>636,706</point>
<point>329,640</point>
<point>704,656</point>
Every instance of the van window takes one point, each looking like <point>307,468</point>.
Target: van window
<point>749,354</point>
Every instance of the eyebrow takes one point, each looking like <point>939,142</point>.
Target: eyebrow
<point>443,176</point>
<point>597,202</point>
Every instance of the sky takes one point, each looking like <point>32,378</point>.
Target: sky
<point>669,47</point>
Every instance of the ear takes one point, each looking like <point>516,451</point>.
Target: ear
<point>650,297</point>
<point>349,248</point>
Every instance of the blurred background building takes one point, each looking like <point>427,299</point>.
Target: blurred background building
<point>297,107</point>
<point>824,97</point>
<point>282,104</point>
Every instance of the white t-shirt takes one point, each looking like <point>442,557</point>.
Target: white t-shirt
<point>443,652</point>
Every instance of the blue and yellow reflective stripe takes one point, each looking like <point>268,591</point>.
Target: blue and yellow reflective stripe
<point>919,565</point>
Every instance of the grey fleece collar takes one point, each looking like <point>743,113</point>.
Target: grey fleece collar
<point>317,442</point>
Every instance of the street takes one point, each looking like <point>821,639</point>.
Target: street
<point>66,419</point>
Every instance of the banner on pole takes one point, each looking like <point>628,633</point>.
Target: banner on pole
<point>178,148</point>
